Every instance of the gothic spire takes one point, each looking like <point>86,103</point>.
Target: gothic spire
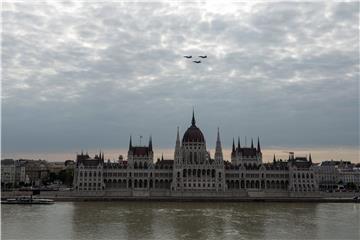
<point>130,143</point>
<point>310,159</point>
<point>150,143</point>
<point>274,160</point>
<point>193,119</point>
<point>177,136</point>
<point>218,150</point>
<point>252,143</point>
<point>233,146</point>
<point>177,145</point>
<point>258,145</point>
<point>238,145</point>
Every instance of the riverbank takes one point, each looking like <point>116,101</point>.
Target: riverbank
<point>69,196</point>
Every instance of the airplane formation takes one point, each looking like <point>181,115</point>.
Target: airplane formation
<point>196,61</point>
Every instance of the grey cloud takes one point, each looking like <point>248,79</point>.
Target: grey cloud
<point>80,76</point>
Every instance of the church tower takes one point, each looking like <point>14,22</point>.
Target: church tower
<point>177,153</point>
<point>218,150</point>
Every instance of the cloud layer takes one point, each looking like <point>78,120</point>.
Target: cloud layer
<point>87,75</point>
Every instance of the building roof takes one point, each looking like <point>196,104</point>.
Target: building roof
<point>140,151</point>
<point>248,151</point>
<point>193,133</point>
<point>7,162</point>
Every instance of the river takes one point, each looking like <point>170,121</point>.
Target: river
<point>181,220</point>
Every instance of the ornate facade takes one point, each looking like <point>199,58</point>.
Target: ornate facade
<point>193,172</point>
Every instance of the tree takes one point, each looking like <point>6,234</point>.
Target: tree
<point>351,186</point>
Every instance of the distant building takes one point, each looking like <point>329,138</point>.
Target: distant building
<point>20,172</point>
<point>331,174</point>
<point>193,172</point>
<point>55,167</point>
<point>13,172</point>
<point>302,174</point>
<point>36,171</point>
<point>8,172</point>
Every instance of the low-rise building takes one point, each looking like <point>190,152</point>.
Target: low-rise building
<point>8,172</point>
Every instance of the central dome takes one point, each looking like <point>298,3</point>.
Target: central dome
<point>193,133</point>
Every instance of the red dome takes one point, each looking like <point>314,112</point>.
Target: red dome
<point>193,134</point>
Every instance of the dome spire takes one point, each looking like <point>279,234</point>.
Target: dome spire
<point>193,119</point>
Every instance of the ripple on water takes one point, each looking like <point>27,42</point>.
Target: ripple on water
<point>142,220</point>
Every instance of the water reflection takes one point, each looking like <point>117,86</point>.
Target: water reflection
<point>182,220</point>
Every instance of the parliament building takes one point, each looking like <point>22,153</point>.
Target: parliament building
<point>194,172</point>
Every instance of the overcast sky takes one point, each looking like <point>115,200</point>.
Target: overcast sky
<point>88,75</point>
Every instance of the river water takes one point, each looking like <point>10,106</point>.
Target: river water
<point>181,220</point>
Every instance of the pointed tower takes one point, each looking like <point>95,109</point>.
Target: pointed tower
<point>150,144</point>
<point>258,145</point>
<point>193,122</point>
<point>274,160</point>
<point>177,155</point>
<point>218,150</point>
<point>177,145</point>
<point>252,143</point>
<point>238,145</point>
<point>310,159</point>
<point>233,148</point>
<point>130,144</point>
